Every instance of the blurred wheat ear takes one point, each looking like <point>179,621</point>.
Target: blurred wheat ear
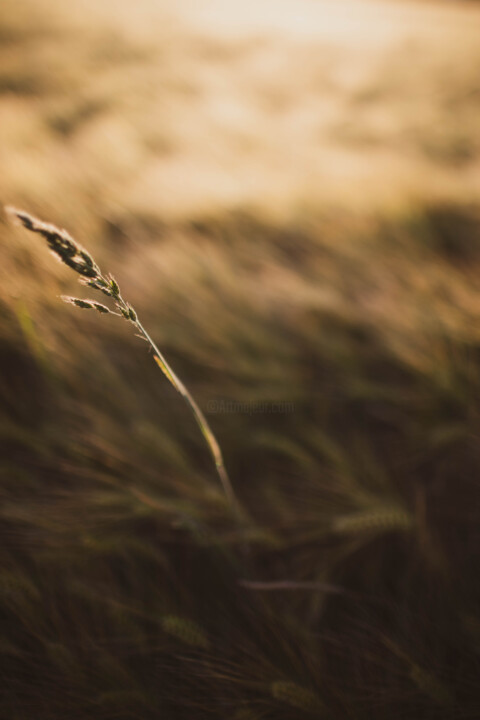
<point>70,252</point>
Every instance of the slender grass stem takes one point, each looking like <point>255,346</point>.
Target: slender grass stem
<point>210,438</point>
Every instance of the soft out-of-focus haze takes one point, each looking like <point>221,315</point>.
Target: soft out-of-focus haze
<point>195,106</point>
<point>288,192</point>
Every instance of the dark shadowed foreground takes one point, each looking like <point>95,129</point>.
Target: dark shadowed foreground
<point>330,332</point>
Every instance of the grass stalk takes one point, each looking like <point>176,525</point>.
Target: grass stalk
<point>76,257</point>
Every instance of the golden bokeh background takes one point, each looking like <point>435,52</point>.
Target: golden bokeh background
<point>288,192</point>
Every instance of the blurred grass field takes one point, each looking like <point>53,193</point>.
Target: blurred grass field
<point>289,195</point>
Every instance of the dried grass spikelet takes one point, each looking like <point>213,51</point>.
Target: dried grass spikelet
<point>66,249</point>
<point>296,696</point>
<point>87,304</point>
<point>185,630</point>
<point>60,243</point>
<point>378,519</point>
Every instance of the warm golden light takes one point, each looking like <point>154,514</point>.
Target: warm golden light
<point>278,202</point>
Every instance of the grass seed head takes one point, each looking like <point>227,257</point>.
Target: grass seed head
<point>382,519</point>
<point>114,287</point>
<point>60,243</point>
<point>185,630</point>
<point>101,308</point>
<point>78,302</point>
<point>97,284</point>
<point>86,304</point>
